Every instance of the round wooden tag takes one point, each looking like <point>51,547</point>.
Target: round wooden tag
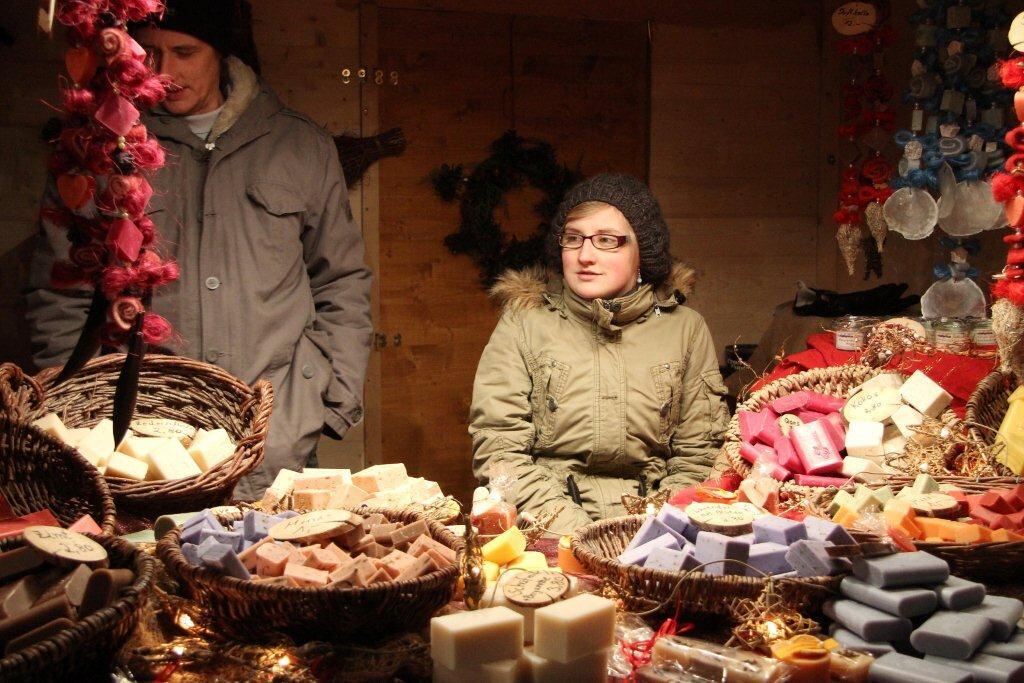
<point>164,428</point>
<point>787,422</point>
<point>872,405</point>
<point>934,504</point>
<point>535,589</point>
<point>731,520</point>
<point>65,547</point>
<point>314,525</point>
<point>854,18</point>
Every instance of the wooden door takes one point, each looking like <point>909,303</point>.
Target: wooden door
<point>464,79</point>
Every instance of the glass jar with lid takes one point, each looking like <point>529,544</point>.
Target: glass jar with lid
<point>982,335</point>
<point>952,334</point>
<point>851,331</point>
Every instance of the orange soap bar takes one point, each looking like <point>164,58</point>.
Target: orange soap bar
<point>899,515</point>
<point>939,528</point>
<point>845,517</point>
<point>567,562</point>
<point>972,533</point>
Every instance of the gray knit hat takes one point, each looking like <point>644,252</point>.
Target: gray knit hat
<point>634,199</point>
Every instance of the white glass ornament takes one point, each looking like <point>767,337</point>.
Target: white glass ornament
<point>911,212</point>
<point>974,211</point>
<point>951,298</point>
<point>947,191</point>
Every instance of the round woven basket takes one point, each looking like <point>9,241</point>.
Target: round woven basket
<point>85,650</point>
<point>20,395</point>
<point>197,393</point>
<point>39,472</point>
<point>987,405</point>
<point>597,546</point>
<point>251,611</point>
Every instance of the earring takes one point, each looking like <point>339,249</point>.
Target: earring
<point>639,278</point>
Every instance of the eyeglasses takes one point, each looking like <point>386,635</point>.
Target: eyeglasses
<point>570,240</point>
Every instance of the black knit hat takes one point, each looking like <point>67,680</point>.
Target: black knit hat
<point>634,199</point>
<point>225,25</point>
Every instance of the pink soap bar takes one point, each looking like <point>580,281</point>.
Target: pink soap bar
<point>271,560</point>
<point>820,403</point>
<point>770,430</point>
<point>306,576</point>
<point>816,448</point>
<point>752,424</point>
<point>16,525</point>
<point>996,503</point>
<point>789,403</point>
<point>751,452</point>
<point>809,416</point>
<point>248,556</point>
<point>86,525</point>
<point>779,472</point>
<point>812,480</point>
<point>787,457</point>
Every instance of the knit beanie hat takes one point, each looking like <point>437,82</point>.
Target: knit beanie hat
<point>215,22</point>
<point>634,199</point>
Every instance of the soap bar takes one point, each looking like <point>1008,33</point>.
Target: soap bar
<point>862,469</point>
<point>769,558</point>
<point>503,548</point>
<point>678,521</point>
<point>731,520</point>
<point>712,548</point>
<point>572,628</point>
<point>902,602</point>
<point>39,634</point>
<point>651,529</point>
<point>51,424</point>
<point>898,668</point>
<point>815,448</point>
<point>951,634</point>
<point>126,467</point>
<point>18,561</point>
<point>958,594</point>
<point>380,477</point>
<point>98,443</point>
<point>1002,613</point>
<point>819,529</point>
<point>772,529</point>
<point>589,667</point>
<point>1011,649</point>
<point>170,460</point>
<point>864,440</point>
<point>925,395</point>
<point>907,420</point>
<point>872,405</point>
<point>638,555</point>
<point>526,592</point>
<point>785,454</point>
<point>468,639</point>
<point>810,558</point>
<point>669,559</point>
<point>851,640</point>
<point>348,496</point>
<point>770,430</point>
<point>901,569</point>
<point>985,668</point>
<point>31,619</point>
<point>211,448</point>
<point>867,622</point>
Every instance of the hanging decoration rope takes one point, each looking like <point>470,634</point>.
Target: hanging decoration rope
<point>514,163</point>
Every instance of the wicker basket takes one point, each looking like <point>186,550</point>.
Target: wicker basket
<point>84,651</point>
<point>20,395</point>
<point>597,546</point>
<point>38,471</point>
<point>191,391</point>
<point>987,405</point>
<point>252,611</point>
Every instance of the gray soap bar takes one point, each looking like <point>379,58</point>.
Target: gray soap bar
<point>1004,613</point>
<point>851,640</point>
<point>867,622</point>
<point>986,668</point>
<point>896,668</point>
<point>810,558</point>
<point>1011,649</point>
<point>957,593</point>
<point>903,602</point>
<point>951,634</point>
<point>901,569</point>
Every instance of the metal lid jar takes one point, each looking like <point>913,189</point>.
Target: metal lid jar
<point>982,335</point>
<point>952,334</point>
<point>851,331</point>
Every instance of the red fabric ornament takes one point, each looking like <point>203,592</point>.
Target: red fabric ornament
<point>124,239</point>
<point>117,114</point>
<point>75,190</point>
<point>124,310</point>
<point>81,63</point>
<point>1011,72</point>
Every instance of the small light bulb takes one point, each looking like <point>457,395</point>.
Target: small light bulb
<point>185,621</point>
<point>178,650</point>
<point>285,661</point>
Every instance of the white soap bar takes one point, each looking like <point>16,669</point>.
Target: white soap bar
<point>284,480</point>
<point>468,639</point>
<point>380,477</point>
<point>572,628</point>
<point>589,667</point>
<point>138,446</point>
<point>76,434</point>
<point>864,439</point>
<point>311,499</point>
<point>170,460</point>
<point>862,469</point>
<point>527,591</point>
<point>906,419</point>
<point>344,473</point>
<point>52,425</point>
<point>502,671</point>
<point>399,496</point>
<point>126,467</point>
<point>873,405</point>
<point>887,380</point>
<point>99,442</point>
<point>925,395</point>
<point>211,448</point>
<point>893,441</point>
<point>424,489</point>
<point>348,496</point>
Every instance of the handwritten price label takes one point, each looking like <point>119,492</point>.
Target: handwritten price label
<point>854,18</point>
<point>64,545</point>
<point>536,589</point>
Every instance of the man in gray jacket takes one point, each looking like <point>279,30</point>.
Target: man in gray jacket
<point>253,206</point>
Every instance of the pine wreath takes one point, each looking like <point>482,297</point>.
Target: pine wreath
<point>514,163</point>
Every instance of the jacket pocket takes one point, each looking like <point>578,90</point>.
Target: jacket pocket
<point>548,391</point>
<point>278,233</point>
<point>668,386</point>
<point>714,391</point>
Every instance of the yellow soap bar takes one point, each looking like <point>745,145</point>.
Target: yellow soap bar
<point>491,570</point>
<point>531,559</point>
<point>1011,436</point>
<point>505,547</point>
<point>846,517</point>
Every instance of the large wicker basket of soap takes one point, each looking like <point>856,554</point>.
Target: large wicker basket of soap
<point>324,575</point>
<point>197,430</point>
<point>70,603</point>
<point>41,475</point>
<point>711,554</point>
<point>988,404</point>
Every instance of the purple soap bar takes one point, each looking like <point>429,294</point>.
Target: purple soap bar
<point>851,640</point>
<point>901,569</point>
<point>867,622</point>
<point>896,668</point>
<point>206,517</point>
<point>985,668</point>
<point>711,547</point>
<point>957,593</point>
<point>191,534</point>
<point>223,557</point>
<point>819,529</point>
<point>191,553</point>
<point>637,556</point>
<point>231,538</point>
<point>652,529</point>
<point>678,521</point>
<point>772,529</point>
<point>769,558</point>
<point>667,559</point>
<point>287,514</point>
<point>903,602</point>
<point>256,525</point>
<point>809,558</point>
<point>1011,649</point>
<point>1002,613</point>
<point>951,634</point>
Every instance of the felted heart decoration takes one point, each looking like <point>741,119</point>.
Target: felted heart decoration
<point>1018,105</point>
<point>1015,210</point>
<point>125,239</point>
<point>75,190</point>
<point>117,114</point>
<point>81,63</point>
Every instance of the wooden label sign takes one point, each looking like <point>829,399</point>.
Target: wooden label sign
<point>164,428</point>
<point>787,422</point>
<point>854,18</point>
<point>934,504</point>
<point>872,405</point>
<point>64,546</point>
<point>314,525</point>
<point>731,520</point>
<point>535,589</point>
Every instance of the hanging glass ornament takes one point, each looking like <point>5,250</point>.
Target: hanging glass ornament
<point>952,298</point>
<point>911,212</point>
<point>974,209</point>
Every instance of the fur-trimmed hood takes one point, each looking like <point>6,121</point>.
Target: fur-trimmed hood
<point>519,290</point>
